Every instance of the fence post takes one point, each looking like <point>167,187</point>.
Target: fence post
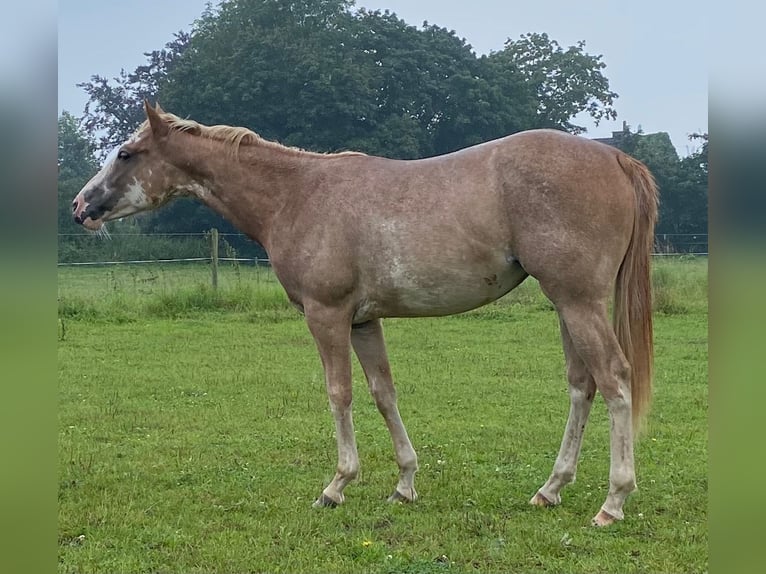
<point>214,256</point>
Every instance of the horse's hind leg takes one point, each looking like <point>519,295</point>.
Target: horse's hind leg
<point>594,341</point>
<point>582,389</point>
<point>370,348</point>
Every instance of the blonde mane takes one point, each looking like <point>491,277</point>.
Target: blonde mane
<point>230,135</point>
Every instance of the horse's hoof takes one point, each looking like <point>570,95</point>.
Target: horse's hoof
<point>325,501</point>
<point>603,518</point>
<point>402,498</point>
<point>539,500</point>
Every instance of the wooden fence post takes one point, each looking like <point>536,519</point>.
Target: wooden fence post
<point>214,256</point>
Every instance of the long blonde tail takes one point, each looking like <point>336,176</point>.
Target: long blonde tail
<point>633,290</point>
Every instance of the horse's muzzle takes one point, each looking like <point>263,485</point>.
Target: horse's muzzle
<point>86,214</point>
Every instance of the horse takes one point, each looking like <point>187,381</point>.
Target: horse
<point>354,238</point>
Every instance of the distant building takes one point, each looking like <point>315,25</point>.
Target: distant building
<point>616,136</point>
<point>643,146</point>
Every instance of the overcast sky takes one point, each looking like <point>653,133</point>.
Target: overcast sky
<point>654,50</point>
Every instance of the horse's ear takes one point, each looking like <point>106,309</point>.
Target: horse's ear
<point>157,108</point>
<point>159,126</point>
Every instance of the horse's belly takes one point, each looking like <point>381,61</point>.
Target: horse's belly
<point>443,291</point>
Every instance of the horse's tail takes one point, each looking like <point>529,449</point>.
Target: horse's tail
<point>633,289</point>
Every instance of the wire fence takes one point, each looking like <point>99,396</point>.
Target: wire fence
<point>681,244</point>
<point>253,260</point>
<point>86,249</point>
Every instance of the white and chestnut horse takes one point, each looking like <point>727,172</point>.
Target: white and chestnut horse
<point>354,238</point>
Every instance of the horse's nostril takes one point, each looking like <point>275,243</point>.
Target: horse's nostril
<point>74,205</point>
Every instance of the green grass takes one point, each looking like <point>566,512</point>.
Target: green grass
<point>680,285</point>
<point>195,433</point>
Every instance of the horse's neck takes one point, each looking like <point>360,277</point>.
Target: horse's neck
<point>248,187</point>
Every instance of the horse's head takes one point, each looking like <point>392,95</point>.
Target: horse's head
<point>135,177</point>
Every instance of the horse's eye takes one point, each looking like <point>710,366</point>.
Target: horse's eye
<point>123,155</point>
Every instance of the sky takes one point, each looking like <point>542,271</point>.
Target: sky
<point>655,51</point>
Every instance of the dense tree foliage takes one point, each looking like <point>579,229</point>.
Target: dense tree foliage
<point>561,83</point>
<point>322,75</point>
<point>325,76</point>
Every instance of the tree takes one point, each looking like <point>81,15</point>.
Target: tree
<point>692,190</point>
<point>76,165</point>
<point>682,183</point>
<point>317,74</point>
<point>281,68</point>
<point>429,96</point>
<point>563,82</point>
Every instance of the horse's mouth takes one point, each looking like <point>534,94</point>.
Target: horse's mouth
<point>91,217</point>
<point>88,221</point>
<point>92,225</point>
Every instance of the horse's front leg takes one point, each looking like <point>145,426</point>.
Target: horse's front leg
<point>367,340</point>
<point>331,330</point>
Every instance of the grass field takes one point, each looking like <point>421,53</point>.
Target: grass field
<point>195,433</point>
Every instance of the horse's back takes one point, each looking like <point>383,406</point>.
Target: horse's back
<point>450,233</point>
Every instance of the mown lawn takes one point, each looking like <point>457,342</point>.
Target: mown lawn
<point>195,433</point>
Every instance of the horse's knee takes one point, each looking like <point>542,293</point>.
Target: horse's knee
<point>340,398</point>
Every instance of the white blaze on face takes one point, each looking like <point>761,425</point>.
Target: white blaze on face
<point>98,180</point>
<point>111,156</point>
